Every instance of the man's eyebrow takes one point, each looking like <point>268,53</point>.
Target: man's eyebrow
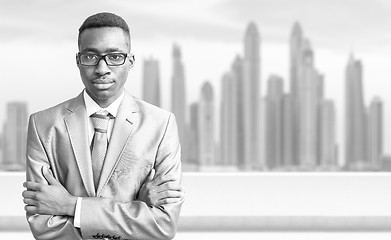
<point>105,50</point>
<point>90,50</point>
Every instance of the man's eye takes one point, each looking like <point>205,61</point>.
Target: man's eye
<point>90,56</point>
<point>115,56</point>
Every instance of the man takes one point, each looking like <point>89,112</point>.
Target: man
<point>104,164</point>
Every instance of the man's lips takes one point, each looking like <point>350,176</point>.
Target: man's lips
<point>102,81</point>
<point>102,84</point>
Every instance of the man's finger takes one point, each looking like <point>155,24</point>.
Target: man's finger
<point>169,186</point>
<point>30,209</point>
<point>32,186</point>
<point>49,176</point>
<point>168,201</point>
<point>29,201</point>
<point>29,194</point>
<point>170,194</point>
<point>151,174</point>
<point>165,178</point>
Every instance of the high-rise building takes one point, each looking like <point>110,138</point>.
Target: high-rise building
<point>296,53</point>
<point>1,150</point>
<point>194,142</point>
<point>251,97</point>
<point>151,82</point>
<point>292,143</point>
<point>237,72</point>
<point>385,163</point>
<point>228,119</point>
<point>327,137</point>
<point>355,126</point>
<point>308,109</point>
<point>206,118</point>
<point>274,123</point>
<point>306,93</point>
<point>320,99</point>
<point>375,132</point>
<point>287,118</point>
<point>15,134</point>
<point>178,100</point>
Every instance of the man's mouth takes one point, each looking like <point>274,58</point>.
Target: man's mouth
<point>102,84</point>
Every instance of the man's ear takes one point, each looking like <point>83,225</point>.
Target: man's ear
<point>132,59</point>
<point>77,59</point>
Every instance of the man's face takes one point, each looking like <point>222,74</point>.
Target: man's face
<point>104,83</point>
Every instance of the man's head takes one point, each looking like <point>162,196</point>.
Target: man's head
<point>104,57</point>
<point>105,19</point>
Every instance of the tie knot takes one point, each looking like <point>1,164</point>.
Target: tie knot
<point>100,121</point>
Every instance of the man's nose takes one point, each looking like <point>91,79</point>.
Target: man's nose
<point>102,68</point>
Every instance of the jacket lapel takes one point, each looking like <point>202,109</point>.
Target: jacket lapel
<point>76,122</point>
<point>123,126</point>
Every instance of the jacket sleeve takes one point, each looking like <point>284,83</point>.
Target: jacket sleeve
<point>136,220</point>
<point>44,226</point>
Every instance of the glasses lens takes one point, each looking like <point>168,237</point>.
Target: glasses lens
<point>115,59</point>
<point>89,59</point>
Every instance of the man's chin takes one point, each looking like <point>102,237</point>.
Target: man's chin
<point>101,94</point>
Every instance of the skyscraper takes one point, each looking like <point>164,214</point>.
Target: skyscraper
<point>194,142</point>
<point>228,119</point>
<point>355,127</point>
<point>306,94</point>
<point>327,137</point>
<point>1,150</point>
<point>151,82</point>
<point>274,122</point>
<point>375,133</point>
<point>15,134</point>
<point>292,143</point>
<point>308,109</point>
<point>178,100</point>
<point>251,97</point>
<point>237,72</point>
<point>287,116</point>
<point>206,118</point>
<point>296,56</point>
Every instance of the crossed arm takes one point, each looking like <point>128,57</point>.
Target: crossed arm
<point>54,199</point>
<point>152,215</point>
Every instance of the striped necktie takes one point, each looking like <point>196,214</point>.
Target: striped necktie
<point>100,122</point>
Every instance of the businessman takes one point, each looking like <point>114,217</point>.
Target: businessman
<point>103,165</point>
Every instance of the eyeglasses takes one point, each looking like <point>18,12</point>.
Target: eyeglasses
<point>111,59</point>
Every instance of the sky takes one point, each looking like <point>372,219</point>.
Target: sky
<point>38,45</point>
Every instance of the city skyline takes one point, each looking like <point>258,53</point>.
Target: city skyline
<point>299,126</point>
<point>209,38</point>
<point>315,124</point>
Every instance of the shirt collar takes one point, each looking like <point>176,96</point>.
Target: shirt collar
<point>92,107</point>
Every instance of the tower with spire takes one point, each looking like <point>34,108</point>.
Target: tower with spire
<point>251,97</point>
<point>178,99</point>
<point>355,136</point>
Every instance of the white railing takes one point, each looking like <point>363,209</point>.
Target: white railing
<point>259,201</point>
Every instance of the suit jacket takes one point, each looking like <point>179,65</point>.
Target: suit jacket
<point>143,137</point>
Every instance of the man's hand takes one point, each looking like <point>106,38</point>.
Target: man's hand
<point>52,199</point>
<point>160,190</point>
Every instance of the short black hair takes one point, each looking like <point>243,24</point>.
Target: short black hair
<point>104,19</point>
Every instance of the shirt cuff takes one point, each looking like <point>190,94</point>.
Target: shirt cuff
<point>76,220</point>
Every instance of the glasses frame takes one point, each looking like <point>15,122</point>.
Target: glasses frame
<point>129,56</point>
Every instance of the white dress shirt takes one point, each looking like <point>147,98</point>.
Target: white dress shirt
<point>91,108</point>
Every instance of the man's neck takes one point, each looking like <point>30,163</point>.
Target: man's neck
<point>104,103</point>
